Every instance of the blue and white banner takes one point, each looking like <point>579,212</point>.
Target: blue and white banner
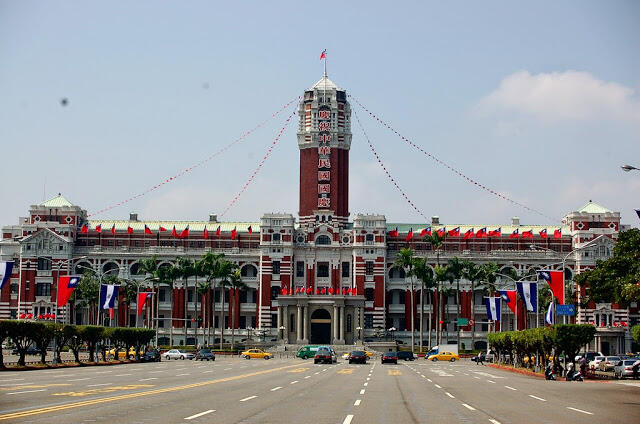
<point>493,308</point>
<point>108,295</point>
<point>5,272</point>
<point>529,293</point>
<point>549,316</point>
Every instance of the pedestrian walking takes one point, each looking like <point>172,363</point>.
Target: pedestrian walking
<point>634,368</point>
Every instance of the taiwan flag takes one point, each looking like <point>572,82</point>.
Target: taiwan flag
<point>234,233</point>
<point>482,232</point>
<point>425,232</point>
<point>84,229</point>
<point>496,233</point>
<point>455,232</point>
<point>543,233</point>
<point>162,228</point>
<point>185,232</point>
<point>218,231</point>
<point>442,231</point>
<point>142,299</point>
<point>205,233</point>
<point>147,230</point>
<point>557,233</point>
<point>113,229</point>
<point>129,229</point>
<point>393,233</point>
<point>469,234</point>
<point>515,234</point>
<point>509,296</point>
<point>174,232</point>
<point>409,235</point>
<point>250,229</point>
<point>323,55</point>
<point>527,234</point>
<point>99,228</point>
<point>555,280</point>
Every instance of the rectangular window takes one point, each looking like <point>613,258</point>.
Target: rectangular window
<point>243,322</point>
<point>292,322</point>
<point>276,238</point>
<point>44,264</point>
<point>163,295</point>
<point>43,289</point>
<point>323,269</point>
<point>346,266</point>
<point>189,295</point>
<point>275,267</point>
<point>368,321</point>
<point>300,269</point>
<point>161,321</point>
<point>368,268</point>
<point>14,288</point>
<point>368,294</point>
<point>401,297</point>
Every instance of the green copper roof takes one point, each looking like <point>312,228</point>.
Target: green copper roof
<point>592,207</point>
<point>56,202</point>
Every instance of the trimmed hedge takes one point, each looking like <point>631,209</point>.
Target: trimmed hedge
<point>72,337</point>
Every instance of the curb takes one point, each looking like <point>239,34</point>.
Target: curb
<point>68,365</point>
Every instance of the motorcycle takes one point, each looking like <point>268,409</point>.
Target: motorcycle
<point>574,375</point>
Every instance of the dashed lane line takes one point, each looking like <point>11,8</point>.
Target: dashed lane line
<point>103,372</point>
<point>248,398</point>
<point>357,402</point>
<point>438,386</point>
<point>347,419</point>
<point>122,375</point>
<point>492,382</point>
<point>366,384</point>
<point>469,407</point>
<point>147,379</point>
<point>226,369</point>
<point>450,395</point>
<point>79,379</point>
<point>580,410</point>
<point>429,380</point>
<point>362,391</point>
<point>26,391</point>
<point>308,376</point>
<point>100,384</point>
<point>539,398</point>
<point>510,388</point>
<point>200,414</point>
<point>206,372</point>
<point>294,382</point>
<point>491,420</point>
<point>276,388</point>
<point>180,375</point>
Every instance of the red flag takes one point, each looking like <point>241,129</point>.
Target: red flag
<point>66,284</point>
<point>185,232</point>
<point>99,228</point>
<point>555,279</point>
<point>283,291</point>
<point>147,230</point>
<point>317,290</point>
<point>162,228</point>
<point>393,233</point>
<point>110,313</point>
<point>233,233</point>
<point>331,291</point>
<point>323,291</point>
<point>113,229</point>
<point>84,229</point>
<point>543,233</point>
<point>527,234</point>
<point>129,229</point>
<point>455,232</point>
<point>205,233</point>
<point>174,232</point>
<point>218,231</point>
<point>496,233</point>
<point>142,299</point>
<point>482,232</point>
<point>425,232</point>
<point>250,229</point>
<point>442,231</point>
<point>323,55</point>
<point>409,235</point>
<point>515,234</point>
<point>469,234</point>
<point>557,233</point>
<point>309,290</point>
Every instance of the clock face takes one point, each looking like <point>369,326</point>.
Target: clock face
<point>346,239</point>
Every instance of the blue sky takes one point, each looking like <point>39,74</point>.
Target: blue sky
<point>538,101</point>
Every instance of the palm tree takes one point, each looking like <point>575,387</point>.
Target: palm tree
<point>236,284</point>
<point>456,267</point>
<point>425,275</point>
<point>198,271</point>
<point>437,243</point>
<point>473,273</point>
<point>129,289</point>
<point>405,260</point>
<point>167,275</point>
<point>489,273</point>
<point>226,271</point>
<point>86,293</point>
<point>184,269</point>
<point>441,275</point>
<point>211,267</point>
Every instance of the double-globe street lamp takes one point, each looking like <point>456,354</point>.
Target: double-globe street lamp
<point>100,276</point>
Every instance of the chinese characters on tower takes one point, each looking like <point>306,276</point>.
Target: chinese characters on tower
<point>324,157</point>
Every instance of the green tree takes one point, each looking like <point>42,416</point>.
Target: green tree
<point>437,243</point>
<point>185,269</point>
<point>4,335</point>
<point>86,294</point>
<point>20,334</point>
<point>42,335</point>
<point>226,271</point>
<point>213,264</point>
<point>456,270</point>
<point>635,333</point>
<point>236,284</point>
<point>149,268</point>
<point>473,273</point>
<point>405,260</point>
<point>424,273</point>
<point>92,334</point>
<point>569,338</point>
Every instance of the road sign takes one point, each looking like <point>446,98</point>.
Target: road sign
<point>569,310</point>
<point>463,322</point>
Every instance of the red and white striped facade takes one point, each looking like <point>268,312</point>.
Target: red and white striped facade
<point>323,248</point>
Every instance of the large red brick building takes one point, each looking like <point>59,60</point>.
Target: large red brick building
<point>320,277</point>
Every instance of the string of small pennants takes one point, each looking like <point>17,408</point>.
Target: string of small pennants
<point>451,168</point>
<point>198,164</point>
<point>257,169</point>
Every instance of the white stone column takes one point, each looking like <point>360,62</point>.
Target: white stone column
<point>299,325</point>
<point>285,318</point>
<point>342,324</point>
<point>334,323</point>
<point>279,320</point>
<point>305,325</point>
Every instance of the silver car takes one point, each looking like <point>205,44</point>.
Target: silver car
<point>608,363</point>
<point>623,368</point>
<point>178,354</point>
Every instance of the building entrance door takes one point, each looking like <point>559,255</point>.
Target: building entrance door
<point>320,327</point>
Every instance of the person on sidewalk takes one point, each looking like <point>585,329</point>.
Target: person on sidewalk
<point>635,367</point>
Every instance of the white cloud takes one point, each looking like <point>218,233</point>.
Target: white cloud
<point>562,96</point>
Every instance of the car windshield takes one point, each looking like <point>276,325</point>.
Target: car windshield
<point>357,353</point>
<point>324,351</point>
<point>204,351</point>
<point>599,358</point>
<point>613,358</point>
<point>391,354</point>
<point>629,362</point>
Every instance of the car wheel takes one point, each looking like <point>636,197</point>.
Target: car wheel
<point>182,357</point>
<point>167,357</point>
<point>453,359</point>
<point>305,358</point>
<point>434,359</point>
<point>267,357</point>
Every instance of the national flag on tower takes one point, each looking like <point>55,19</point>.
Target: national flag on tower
<point>393,233</point>
<point>515,234</point>
<point>527,234</point>
<point>469,234</point>
<point>323,55</point>
<point>233,233</point>
<point>99,228</point>
<point>496,233</point>
<point>529,293</point>
<point>147,230</point>
<point>425,232</point>
<point>409,235</point>
<point>113,229</point>
<point>205,233</point>
<point>66,285</point>
<point>185,232</point>
<point>174,232</point>
<point>442,231</point>
<point>543,233</point>
<point>482,232</point>
<point>509,297</point>
<point>455,232</point>
<point>84,229</point>
<point>250,229</point>
<point>218,231</point>
<point>555,280</point>
<point>142,299</point>
<point>129,229</point>
<point>5,272</point>
<point>557,233</point>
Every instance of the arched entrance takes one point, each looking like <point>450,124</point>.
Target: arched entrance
<point>320,327</point>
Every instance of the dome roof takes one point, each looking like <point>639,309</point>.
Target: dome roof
<point>325,84</point>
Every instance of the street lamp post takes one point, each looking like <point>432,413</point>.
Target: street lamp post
<point>281,328</point>
<point>392,330</point>
<point>359,330</point>
<point>100,277</point>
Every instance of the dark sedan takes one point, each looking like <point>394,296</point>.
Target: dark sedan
<point>391,357</point>
<point>31,350</point>
<point>205,354</point>
<point>152,355</point>
<point>358,356</point>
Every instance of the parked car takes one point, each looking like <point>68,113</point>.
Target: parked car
<point>623,368</point>
<point>595,362</point>
<point>255,353</point>
<point>178,354</point>
<point>152,355</point>
<point>358,356</point>
<point>31,350</point>
<point>608,363</point>
<point>205,354</point>
<point>306,352</point>
<point>406,355</point>
<point>589,356</point>
<point>124,354</point>
<point>390,357</point>
<point>325,355</point>
<point>445,356</point>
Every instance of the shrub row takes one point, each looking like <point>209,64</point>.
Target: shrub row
<point>513,346</point>
<point>95,338</point>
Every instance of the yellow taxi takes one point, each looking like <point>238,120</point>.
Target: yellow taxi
<point>444,356</point>
<point>369,354</point>
<point>123,354</point>
<point>255,353</point>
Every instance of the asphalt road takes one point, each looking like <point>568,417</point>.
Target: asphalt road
<point>232,390</point>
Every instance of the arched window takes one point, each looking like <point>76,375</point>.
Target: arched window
<point>249,271</point>
<point>323,240</point>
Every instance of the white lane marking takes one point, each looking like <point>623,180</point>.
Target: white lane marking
<point>368,378</point>
<point>101,384</point>
<point>494,421</point>
<point>78,379</point>
<point>438,386</point>
<point>362,391</point>
<point>580,410</point>
<point>316,373</point>
<point>366,384</point>
<point>103,372</point>
<point>357,402</point>
<point>493,382</point>
<point>26,391</point>
<point>276,388</point>
<point>324,369</point>
<point>147,379</point>
<point>422,375</point>
<point>200,414</point>
<point>510,388</point>
<point>180,375</point>
<point>15,379</point>
<point>429,380</point>
<point>536,397</point>
<point>248,398</point>
<point>469,407</point>
<point>155,372</point>
<point>206,372</point>
<point>466,373</point>
<point>450,395</point>
<point>308,376</point>
<point>294,382</point>
<point>348,419</point>
<point>121,375</point>
<point>476,377</point>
